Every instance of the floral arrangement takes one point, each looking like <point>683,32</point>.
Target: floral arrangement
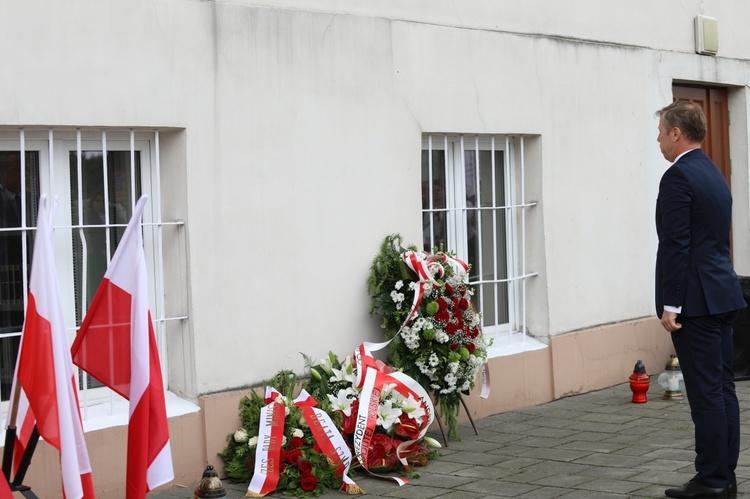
<point>305,470</point>
<point>399,418</point>
<point>426,308</point>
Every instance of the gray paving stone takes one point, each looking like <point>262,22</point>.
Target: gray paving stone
<point>597,445</point>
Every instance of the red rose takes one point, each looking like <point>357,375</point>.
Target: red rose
<point>453,347</point>
<point>462,290</point>
<point>448,288</point>
<point>304,466</point>
<point>471,347</point>
<point>463,304</point>
<point>297,442</point>
<point>442,317</point>
<point>293,456</point>
<point>451,328</point>
<point>442,304</point>
<point>455,301</point>
<point>308,482</point>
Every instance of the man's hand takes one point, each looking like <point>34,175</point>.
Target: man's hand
<point>669,321</point>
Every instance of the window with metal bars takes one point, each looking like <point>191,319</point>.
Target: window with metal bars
<point>474,204</point>
<point>97,177</point>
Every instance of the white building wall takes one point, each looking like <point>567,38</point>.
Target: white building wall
<point>301,129</point>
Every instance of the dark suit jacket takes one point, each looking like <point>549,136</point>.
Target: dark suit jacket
<point>693,219</point>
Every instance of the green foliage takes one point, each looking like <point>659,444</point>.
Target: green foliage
<point>296,453</point>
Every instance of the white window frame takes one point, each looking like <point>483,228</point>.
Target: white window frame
<point>54,146</point>
<point>508,336</point>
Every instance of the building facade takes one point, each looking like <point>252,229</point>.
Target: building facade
<point>280,141</point>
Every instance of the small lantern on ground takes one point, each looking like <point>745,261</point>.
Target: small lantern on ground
<point>671,380</point>
<point>639,382</point>
<point>210,486</point>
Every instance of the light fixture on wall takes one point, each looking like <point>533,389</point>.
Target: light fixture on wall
<point>706,35</point>
<point>671,380</point>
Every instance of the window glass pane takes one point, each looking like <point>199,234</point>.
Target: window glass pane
<point>486,232</point>
<point>13,265</point>
<point>434,226</point>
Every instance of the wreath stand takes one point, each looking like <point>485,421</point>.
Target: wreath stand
<point>471,420</point>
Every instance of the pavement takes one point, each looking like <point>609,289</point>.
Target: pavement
<point>594,445</point>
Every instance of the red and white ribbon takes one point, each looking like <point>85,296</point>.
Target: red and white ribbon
<point>370,379</point>
<point>328,438</point>
<point>268,451</point>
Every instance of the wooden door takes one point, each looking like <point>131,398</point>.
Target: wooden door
<point>713,100</point>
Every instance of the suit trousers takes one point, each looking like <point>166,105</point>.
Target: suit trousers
<point>704,349</point>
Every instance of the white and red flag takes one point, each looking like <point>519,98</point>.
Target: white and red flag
<point>116,345</point>
<point>48,393</point>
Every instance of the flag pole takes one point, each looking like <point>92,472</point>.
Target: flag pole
<point>10,431</point>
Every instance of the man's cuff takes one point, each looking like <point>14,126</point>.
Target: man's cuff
<point>675,310</point>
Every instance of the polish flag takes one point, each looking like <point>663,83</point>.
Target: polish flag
<point>116,345</point>
<point>44,370</point>
<point>5,492</point>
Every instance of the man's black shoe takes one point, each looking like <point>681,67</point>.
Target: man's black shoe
<point>694,490</point>
<point>732,491</point>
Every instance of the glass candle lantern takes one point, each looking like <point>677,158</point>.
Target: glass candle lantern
<point>671,380</point>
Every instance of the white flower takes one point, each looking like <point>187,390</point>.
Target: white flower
<point>280,400</point>
<point>346,373</point>
<point>431,442</point>
<point>283,441</point>
<point>342,401</point>
<point>253,442</point>
<point>326,365</point>
<point>434,360</point>
<point>413,285</point>
<point>399,284</point>
<point>298,433</point>
<point>410,337</point>
<point>387,414</point>
<point>441,336</point>
<point>396,296</point>
<point>386,390</point>
<point>413,408</point>
<point>241,436</point>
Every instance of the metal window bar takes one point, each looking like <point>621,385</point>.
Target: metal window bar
<point>507,157</point>
<point>496,284</point>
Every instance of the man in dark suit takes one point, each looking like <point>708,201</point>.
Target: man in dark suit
<point>698,295</point>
